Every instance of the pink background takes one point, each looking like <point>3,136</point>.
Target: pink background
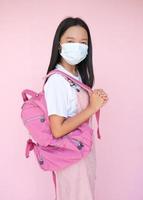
<point>27,30</point>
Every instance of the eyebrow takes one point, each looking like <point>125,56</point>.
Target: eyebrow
<point>74,38</point>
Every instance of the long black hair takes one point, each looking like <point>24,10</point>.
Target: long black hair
<point>85,67</point>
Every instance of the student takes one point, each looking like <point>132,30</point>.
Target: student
<point>72,54</point>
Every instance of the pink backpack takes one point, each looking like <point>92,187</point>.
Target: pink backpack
<point>54,153</point>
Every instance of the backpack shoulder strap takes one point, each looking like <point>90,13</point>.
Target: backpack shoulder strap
<point>87,88</point>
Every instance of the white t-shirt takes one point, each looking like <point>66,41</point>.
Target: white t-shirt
<point>60,97</point>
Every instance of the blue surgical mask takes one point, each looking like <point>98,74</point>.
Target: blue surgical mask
<point>74,52</point>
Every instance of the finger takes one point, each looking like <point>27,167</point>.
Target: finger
<point>105,98</point>
<point>101,91</point>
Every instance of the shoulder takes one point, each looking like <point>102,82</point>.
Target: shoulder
<point>56,80</point>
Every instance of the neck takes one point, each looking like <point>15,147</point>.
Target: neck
<point>71,68</point>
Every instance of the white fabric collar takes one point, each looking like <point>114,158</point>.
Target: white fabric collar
<point>58,66</point>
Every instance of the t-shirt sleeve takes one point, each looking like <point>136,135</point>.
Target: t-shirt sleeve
<point>56,95</point>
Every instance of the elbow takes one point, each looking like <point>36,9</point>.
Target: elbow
<point>56,136</point>
<point>56,133</point>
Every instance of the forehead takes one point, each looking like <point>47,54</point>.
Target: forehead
<point>74,32</point>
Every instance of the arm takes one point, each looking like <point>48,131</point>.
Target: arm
<point>61,126</point>
<point>56,95</point>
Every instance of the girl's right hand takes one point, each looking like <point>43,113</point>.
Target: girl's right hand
<point>98,98</point>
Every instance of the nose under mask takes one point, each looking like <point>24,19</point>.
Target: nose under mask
<point>74,53</point>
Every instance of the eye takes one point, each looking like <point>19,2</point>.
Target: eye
<point>70,41</point>
<point>84,43</point>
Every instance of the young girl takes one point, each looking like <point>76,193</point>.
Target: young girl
<point>72,54</point>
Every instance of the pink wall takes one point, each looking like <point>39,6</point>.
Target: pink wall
<point>26,34</point>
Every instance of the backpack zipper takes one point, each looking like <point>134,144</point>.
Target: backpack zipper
<point>76,142</point>
<point>42,119</point>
